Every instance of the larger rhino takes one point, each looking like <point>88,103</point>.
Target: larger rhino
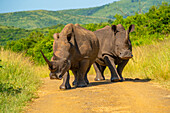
<point>76,49</point>
<point>115,49</point>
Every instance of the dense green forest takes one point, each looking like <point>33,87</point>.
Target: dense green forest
<point>12,33</point>
<point>42,18</point>
<point>149,27</point>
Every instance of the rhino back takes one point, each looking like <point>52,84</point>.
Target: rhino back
<point>87,42</point>
<point>106,41</point>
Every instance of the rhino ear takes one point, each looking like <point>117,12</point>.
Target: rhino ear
<point>69,36</point>
<point>56,36</point>
<point>131,28</point>
<point>114,28</point>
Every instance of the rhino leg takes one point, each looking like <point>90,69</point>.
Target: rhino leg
<point>85,77</point>
<point>99,71</point>
<point>84,65</point>
<point>112,67</point>
<point>66,84</point>
<point>120,68</point>
<point>75,78</point>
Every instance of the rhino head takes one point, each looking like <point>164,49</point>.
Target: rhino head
<point>62,51</point>
<point>123,47</point>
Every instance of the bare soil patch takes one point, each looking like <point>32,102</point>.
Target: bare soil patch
<point>130,96</point>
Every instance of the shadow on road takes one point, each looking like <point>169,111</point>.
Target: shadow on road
<point>137,80</point>
<point>107,81</point>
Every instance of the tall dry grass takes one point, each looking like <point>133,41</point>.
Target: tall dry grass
<point>19,80</point>
<point>149,62</point>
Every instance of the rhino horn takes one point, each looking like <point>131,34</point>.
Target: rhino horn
<point>45,58</point>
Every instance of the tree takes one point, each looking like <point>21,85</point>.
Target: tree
<point>110,21</point>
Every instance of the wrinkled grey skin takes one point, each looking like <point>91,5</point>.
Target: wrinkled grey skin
<point>115,49</point>
<point>76,49</point>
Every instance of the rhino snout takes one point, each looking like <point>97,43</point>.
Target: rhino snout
<point>126,55</point>
<point>55,76</point>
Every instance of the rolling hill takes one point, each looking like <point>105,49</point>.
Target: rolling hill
<point>122,7</point>
<point>43,18</point>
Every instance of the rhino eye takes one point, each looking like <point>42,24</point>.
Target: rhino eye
<point>53,70</point>
<point>130,47</point>
<point>65,62</point>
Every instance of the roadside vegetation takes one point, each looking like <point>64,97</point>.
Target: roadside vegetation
<point>19,80</point>
<point>151,62</point>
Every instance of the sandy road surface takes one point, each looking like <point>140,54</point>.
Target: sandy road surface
<point>130,96</point>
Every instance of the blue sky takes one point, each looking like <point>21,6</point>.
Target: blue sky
<point>25,5</point>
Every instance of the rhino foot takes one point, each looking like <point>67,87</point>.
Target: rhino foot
<point>83,84</point>
<point>65,87</point>
<point>74,83</point>
<point>86,80</point>
<point>121,80</point>
<point>99,79</point>
<point>115,79</point>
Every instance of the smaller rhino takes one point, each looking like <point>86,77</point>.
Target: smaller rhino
<point>115,49</point>
<point>76,49</point>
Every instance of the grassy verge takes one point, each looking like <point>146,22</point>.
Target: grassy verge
<point>149,62</point>
<point>19,80</point>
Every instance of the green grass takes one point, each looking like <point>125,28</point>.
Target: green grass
<point>19,80</point>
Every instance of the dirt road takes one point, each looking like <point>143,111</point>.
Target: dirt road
<point>130,96</point>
